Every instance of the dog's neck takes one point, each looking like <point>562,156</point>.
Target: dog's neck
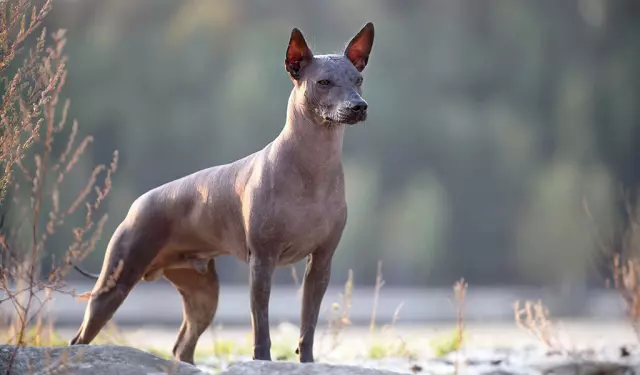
<point>316,148</point>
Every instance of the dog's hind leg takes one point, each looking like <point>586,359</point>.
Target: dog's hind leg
<point>199,303</point>
<point>129,253</point>
<point>99,311</point>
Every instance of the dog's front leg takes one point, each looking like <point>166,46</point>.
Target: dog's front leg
<point>261,271</point>
<point>316,281</point>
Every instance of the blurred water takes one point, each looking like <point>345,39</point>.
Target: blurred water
<point>159,304</point>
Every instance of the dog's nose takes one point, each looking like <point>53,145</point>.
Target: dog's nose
<point>359,107</point>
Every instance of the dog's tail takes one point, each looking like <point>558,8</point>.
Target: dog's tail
<point>87,274</point>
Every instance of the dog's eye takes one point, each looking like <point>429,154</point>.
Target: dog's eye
<point>324,82</point>
<point>359,81</point>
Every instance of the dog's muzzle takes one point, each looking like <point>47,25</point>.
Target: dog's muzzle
<point>355,113</point>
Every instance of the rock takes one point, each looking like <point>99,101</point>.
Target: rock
<point>586,367</point>
<point>537,361</point>
<point>89,360</point>
<point>291,368</point>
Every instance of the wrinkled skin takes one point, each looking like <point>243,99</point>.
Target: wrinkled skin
<point>272,208</point>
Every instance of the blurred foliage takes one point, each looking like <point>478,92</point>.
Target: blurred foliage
<point>490,122</point>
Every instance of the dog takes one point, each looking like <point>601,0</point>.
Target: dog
<point>275,207</point>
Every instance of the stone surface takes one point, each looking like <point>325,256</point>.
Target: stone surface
<point>535,360</point>
<point>289,368</point>
<point>89,360</point>
<point>471,366</point>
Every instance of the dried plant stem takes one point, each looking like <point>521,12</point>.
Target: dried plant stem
<point>622,253</point>
<point>376,298</point>
<point>29,125</point>
<point>339,314</point>
<point>534,318</point>
<point>460,293</point>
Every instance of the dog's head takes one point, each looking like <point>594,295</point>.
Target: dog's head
<point>329,87</point>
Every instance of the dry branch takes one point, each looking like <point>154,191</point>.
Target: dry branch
<point>33,120</point>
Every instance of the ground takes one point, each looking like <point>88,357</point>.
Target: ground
<point>401,348</point>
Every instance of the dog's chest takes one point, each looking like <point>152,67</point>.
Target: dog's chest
<point>295,226</point>
<point>305,228</point>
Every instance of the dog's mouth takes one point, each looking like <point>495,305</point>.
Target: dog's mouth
<point>352,118</point>
<point>344,118</point>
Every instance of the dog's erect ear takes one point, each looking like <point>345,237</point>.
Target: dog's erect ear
<point>360,46</point>
<point>298,54</point>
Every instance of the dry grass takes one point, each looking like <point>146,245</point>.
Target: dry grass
<point>34,126</point>
<point>621,251</point>
<point>534,318</point>
<point>17,109</point>
<point>625,272</point>
<point>460,293</point>
<point>626,280</point>
<point>339,317</point>
<point>454,341</point>
<point>376,297</point>
<point>339,321</point>
<point>378,349</point>
<point>340,313</point>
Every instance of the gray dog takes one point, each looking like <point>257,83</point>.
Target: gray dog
<point>272,208</point>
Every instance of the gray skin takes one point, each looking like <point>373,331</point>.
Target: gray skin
<point>270,209</point>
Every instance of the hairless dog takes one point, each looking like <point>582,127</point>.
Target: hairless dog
<point>272,208</point>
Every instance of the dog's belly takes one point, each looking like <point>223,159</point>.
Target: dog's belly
<point>297,250</point>
<point>211,228</point>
